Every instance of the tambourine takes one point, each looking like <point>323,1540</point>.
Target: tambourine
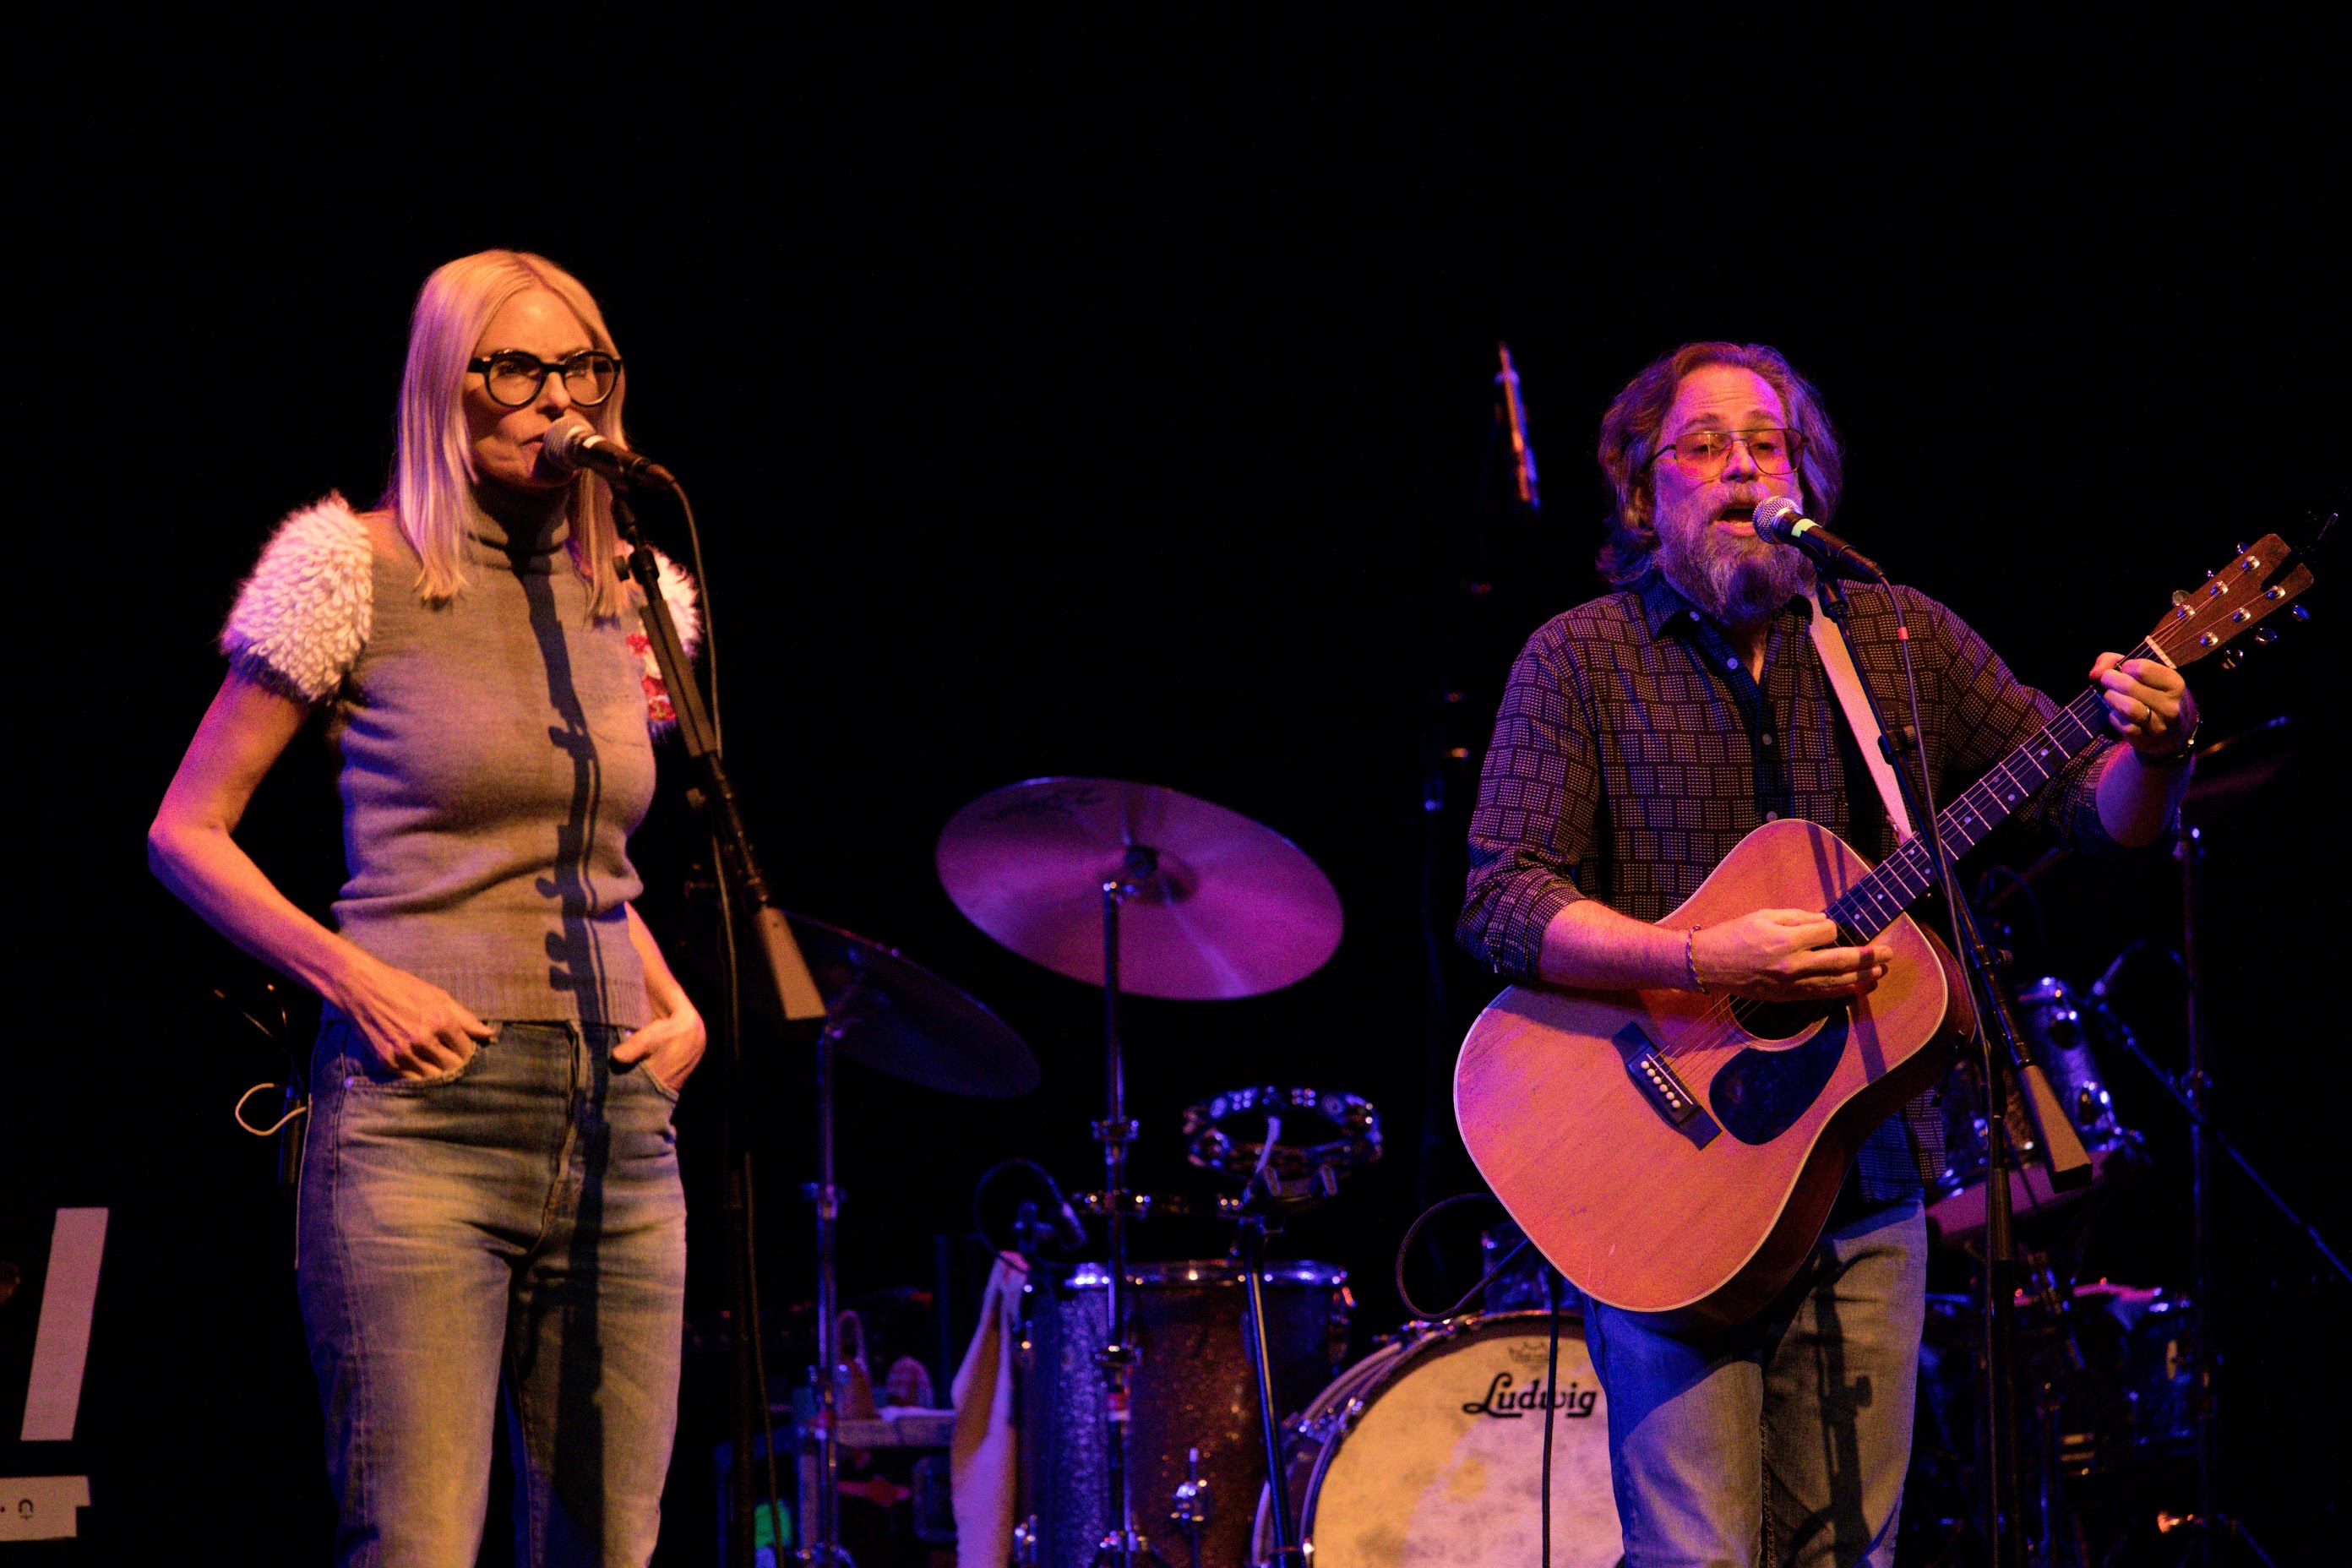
<point>1292,1143</point>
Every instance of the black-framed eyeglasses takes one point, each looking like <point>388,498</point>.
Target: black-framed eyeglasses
<point>513,378</point>
<point>1702,454</point>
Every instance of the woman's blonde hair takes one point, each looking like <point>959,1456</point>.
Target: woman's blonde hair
<point>433,476</point>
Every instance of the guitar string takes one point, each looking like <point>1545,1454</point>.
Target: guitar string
<point>1966,820</point>
<point>1718,1026</point>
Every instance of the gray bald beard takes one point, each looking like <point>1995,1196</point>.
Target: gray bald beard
<point>1738,582</point>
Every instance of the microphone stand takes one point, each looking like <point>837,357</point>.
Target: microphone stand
<point>713,794</point>
<point>2000,1043</point>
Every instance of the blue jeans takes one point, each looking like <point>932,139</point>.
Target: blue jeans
<point>519,1220</point>
<point>1783,1440</point>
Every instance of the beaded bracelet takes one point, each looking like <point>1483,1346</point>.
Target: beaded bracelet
<point>1690,959</point>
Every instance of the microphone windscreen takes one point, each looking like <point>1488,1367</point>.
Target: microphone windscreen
<point>559,447</point>
<point>1774,518</point>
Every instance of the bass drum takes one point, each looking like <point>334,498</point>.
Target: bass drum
<point>1429,1452</point>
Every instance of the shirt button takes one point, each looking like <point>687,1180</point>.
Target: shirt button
<point>1731,664</point>
<point>1768,740</point>
<point>1772,817</point>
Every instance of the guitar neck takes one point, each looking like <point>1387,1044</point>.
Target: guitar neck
<point>1873,904</point>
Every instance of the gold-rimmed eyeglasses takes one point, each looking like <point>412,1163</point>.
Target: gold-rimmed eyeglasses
<point>1702,454</point>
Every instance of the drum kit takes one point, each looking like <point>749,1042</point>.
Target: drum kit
<point>1156,1399</point>
<point>1199,1413</point>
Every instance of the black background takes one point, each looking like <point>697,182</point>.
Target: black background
<point>1114,400</point>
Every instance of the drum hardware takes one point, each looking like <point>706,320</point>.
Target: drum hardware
<point>893,1014</point>
<point>1277,1176</point>
<point>2065,1034</point>
<point>1213,905</point>
<point>1144,1205</point>
<point>2106,1370</point>
<point>1192,1509</point>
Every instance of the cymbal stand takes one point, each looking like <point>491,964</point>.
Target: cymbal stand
<point>2194,1091</point>
<point>824,1546</point>
<point>1115,1133</point>
<point>2190,851</point>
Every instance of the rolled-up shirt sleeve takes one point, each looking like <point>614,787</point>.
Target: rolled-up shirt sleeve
<point>1533,830</point>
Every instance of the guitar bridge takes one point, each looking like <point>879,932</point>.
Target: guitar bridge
<point>1647,1066</point>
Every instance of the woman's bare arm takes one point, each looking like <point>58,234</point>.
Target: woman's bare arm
<point>416,1027</point>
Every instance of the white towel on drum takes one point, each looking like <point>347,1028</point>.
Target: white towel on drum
<point>983,1455</point>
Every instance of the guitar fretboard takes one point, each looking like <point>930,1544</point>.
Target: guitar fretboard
<point>1871,905</point>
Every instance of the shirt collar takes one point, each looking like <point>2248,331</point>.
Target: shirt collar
<point>1664,607</point>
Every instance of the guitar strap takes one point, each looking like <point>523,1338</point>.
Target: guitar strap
<point>1847,683</point>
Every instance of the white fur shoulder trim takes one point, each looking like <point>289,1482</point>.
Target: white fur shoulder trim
<point>685,613</point>
<point>685,603</point>
<point>302,619</point>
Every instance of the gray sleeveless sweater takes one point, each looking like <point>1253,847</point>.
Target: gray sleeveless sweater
<point>496,754</point>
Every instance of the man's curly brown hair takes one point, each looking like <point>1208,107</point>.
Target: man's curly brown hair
<point>1629,442</point>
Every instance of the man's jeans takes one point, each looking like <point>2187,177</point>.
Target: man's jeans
<point>1783,1440</point>
<point>519,1218</point>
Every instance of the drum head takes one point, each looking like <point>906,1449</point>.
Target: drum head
<point>1442,1466</point>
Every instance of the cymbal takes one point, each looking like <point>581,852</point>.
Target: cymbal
<point>890,1014</point>
<point>2231,769</point>
<point>1232,908</point>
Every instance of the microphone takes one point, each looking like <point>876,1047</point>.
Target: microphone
<point>1779,521</point>
<point>572,447</point>
<point>1515,415</point>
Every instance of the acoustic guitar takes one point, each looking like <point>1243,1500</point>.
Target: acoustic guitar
<point>1676,1153</point>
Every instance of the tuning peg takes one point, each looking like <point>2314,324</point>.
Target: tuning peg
<point>2241,550</point>
<point>2180,596</point>
<point>2230,659</point>
<point>2266,635</point>
<point>2300,614</point>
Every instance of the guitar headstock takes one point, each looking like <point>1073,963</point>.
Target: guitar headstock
<point>2229,602</point>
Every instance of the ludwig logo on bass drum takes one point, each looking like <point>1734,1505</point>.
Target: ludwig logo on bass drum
<point>1572,1402</point>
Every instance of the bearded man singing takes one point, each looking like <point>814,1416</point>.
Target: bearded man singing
<point>1642,736</point>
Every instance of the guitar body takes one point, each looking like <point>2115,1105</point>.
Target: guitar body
<point>1677,1153</point>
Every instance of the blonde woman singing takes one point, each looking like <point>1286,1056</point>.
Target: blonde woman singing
<point>489,1197</point>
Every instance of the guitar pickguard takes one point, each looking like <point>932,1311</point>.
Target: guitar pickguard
<point>1758,1094</point>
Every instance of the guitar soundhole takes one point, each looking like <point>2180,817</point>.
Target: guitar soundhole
<point>1758,1094</point>
<point>1778,1020</point>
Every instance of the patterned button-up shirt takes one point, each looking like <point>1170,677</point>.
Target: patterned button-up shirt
<point>1634,750</point>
